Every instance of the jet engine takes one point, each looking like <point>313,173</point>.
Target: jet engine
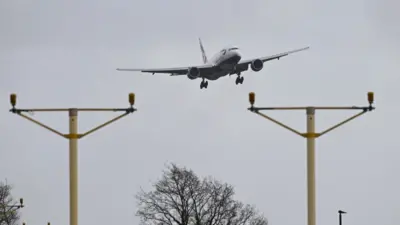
<point>257,65</point>
<point>193,73</point>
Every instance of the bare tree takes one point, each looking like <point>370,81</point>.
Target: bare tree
<point>182,198</point>
<point>8,208</point>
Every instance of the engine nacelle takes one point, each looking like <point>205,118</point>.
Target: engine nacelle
<point>257,65</point>
<point>193,73</point>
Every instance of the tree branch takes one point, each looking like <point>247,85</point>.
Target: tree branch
<point>181,198</point>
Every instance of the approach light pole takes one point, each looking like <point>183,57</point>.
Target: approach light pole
<point>73,137</point>
<point>311,135</point>
<point>11,208</point>
<point>15,206</point>
<point>340,216</point>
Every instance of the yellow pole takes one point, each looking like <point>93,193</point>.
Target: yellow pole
<point>73,166</point>
<point>311,165</point>
<point>73,137</point>
<point>311,135</point>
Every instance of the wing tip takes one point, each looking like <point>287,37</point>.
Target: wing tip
<point>121,69</point>
<point>300,49</point>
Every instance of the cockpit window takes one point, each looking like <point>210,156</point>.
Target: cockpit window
<point>233,49</point>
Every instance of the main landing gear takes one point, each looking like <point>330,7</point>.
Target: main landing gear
<point>239,80</point>
<point>203,84</point>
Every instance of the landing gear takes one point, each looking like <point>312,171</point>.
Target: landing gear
<point>203,84</point>
<point>239,80</point>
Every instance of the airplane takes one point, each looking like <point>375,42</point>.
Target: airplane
<point>225,62</point>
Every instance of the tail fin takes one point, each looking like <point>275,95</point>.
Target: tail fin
<point>205,60</point>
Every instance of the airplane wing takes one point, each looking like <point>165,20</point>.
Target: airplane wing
<point>172,71</point>
<point>244,64</point>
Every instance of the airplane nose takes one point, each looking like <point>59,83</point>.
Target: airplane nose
<point>238,55</point>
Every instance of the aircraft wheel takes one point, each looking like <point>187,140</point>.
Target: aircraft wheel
<point>203,84</point>
<point>241,80</point>
<point>237,80</point>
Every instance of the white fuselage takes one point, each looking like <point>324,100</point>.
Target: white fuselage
<point>224,63</point>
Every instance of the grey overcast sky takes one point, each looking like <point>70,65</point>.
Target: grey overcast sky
<point>64,54</point>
